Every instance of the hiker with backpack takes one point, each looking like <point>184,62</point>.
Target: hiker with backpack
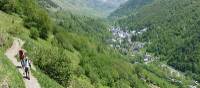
<point>27,66</point>
<point>25,63</point>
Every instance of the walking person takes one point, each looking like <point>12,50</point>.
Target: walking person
<point>27,66</point>
<point>21,57</point>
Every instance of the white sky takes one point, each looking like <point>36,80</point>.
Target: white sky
<point>104,0</point>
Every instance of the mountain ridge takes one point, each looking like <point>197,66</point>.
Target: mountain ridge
<point>99,8</point>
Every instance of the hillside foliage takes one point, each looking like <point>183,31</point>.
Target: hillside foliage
<point>32,14</point>
<point>129,8</point>
<point>173,32</point>
<point>71,49</point>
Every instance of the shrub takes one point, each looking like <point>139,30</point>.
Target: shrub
<point>52,61</point>
<point>33,15</point>
<point>34,33</point>
<point>44,34</point>
<point>9,6</point>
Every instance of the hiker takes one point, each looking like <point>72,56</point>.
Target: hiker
<point>21,57</point>
<point>27,66</point>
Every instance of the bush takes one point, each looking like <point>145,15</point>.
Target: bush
<point>37,17</point>
<point>33,15</point>
<point>64,42</point>
<point>9,6</point>
<point>52,61</point>
<point>44,34</point>
<point>34,33</point>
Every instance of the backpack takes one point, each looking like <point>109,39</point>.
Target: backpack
<point>27,63</point>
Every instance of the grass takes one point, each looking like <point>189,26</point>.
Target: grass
<point>9,74</point>
<point>45,81</point>
<point>12,26</point>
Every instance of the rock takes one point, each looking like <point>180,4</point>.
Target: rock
<point>4,84</point>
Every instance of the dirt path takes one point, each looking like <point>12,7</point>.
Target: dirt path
<point>11,53</point>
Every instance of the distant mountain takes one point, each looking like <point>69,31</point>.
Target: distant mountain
<point>105,5</point>
<point>84,7</point>
<point>129,7</point>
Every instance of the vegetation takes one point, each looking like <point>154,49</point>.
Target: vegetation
<point>129,8</point>
<point>94,8</point>
<point>72,55</point>
<point>172,32</point>
<point>82,62</point>
<point>9,76</point>
<point>87,26</point>
<point>33,15</point>
<point>12,26</point>
<point>70,50</point>
<point>45,81</point>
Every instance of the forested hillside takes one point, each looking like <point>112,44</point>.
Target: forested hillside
<point>173,32</point>
<point>71,50</point>
<point>129,8</point>
<point>98,8</point>
<point>68,48</point>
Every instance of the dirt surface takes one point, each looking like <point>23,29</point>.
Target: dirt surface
<point>11,53</point>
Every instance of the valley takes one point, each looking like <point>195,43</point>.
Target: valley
<point>125,41</point>
<point>102,43</point>
<point>97,8</point>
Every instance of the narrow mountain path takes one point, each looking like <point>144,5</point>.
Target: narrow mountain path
<point>11,53</point>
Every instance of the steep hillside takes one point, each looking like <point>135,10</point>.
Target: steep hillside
<point>173,32</point>
<point>9,76</point>
<point>69,50</point>
<point>99,8</point>
<point>70,57</point>
<point>12,26</point>
<point>128,8</point>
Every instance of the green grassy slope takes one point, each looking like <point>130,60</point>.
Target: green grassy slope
<point>9,75</point>
<point>73,53</point>
<point>12,26</point>
<point>70,64</point>
<point>45,81</point>
<point>8,72</point>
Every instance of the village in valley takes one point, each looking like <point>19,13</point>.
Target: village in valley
<point>125,41</point>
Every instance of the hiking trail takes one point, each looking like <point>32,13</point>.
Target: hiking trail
<point>11,53</point>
